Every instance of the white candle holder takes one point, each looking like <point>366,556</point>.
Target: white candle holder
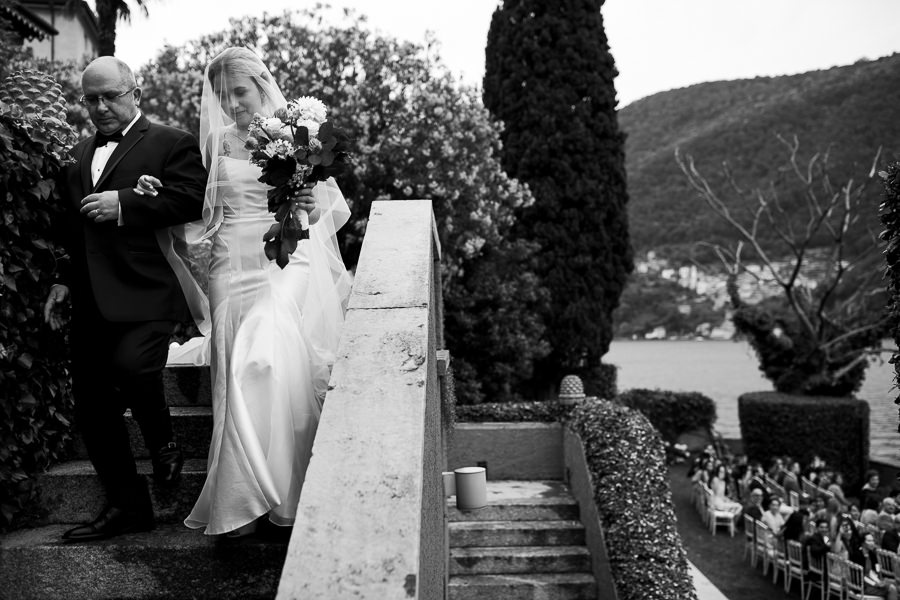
<point>471,488</point>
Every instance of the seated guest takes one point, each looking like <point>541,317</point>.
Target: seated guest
<point>854,512</point>
<point>890,539</point>
<point>719,486</point>
<point>865,556</point>
<point>836,487</point>
<point>817,545</point>
<point>819,508</point>
<point>847,537</point>
<point>791,479</point>
<point>888,507</point>
<point>774,520</point>
<point>754,504</point>
<point>870,511</point>
<point>777,468</point>
<point>795,526</point>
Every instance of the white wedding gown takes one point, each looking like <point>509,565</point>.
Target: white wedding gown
<point>268,376</point>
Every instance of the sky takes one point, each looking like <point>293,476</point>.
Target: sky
<point>657,45</point>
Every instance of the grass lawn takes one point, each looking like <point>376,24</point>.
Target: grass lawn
<point>719,556</point>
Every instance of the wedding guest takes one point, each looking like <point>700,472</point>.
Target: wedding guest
<point>865,556</point>
<point>871,489</point>
<point>817,545</point>
<point>836,487</point>
<point>754,504</point>
<point>890,539</point>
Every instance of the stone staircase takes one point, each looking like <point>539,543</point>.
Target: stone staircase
<point>527,543</point>
<point>169,562</point>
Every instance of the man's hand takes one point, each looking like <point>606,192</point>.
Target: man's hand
<point>101,207</point>
<point>146,185</point>
<point>57,297</point>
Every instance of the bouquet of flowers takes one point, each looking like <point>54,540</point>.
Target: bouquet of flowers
<point>295,146</point>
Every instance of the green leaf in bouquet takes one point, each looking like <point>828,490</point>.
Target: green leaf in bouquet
<point>301,136</point>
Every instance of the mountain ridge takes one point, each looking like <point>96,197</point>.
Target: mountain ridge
<point>845,110</point>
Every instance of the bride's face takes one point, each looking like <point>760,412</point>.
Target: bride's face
<point>241,99</point>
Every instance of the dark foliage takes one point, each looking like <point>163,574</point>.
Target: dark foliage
<point>628,470</point>
<point>35,394</point>
<point>851,107</point>
<point>889,213</point>
<point>549,78</point>
<point>835,429</point>
<point>672,413</point>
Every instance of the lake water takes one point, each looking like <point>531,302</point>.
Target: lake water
<point>723,370</point>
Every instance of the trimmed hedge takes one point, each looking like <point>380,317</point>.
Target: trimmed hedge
<point>516,412</point>
<point>626,460</point>
<point>672,413</point>
<point>835,429</point>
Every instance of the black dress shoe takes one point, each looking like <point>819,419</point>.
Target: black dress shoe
<point>167,464</point>
<point>111,522</point>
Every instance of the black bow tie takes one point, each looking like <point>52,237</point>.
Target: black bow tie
<point>103,139</point>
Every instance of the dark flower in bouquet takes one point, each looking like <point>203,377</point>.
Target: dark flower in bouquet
<point>295,146</point>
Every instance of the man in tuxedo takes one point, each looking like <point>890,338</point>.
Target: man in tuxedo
<point>817,545</point>
<point>124,294</point>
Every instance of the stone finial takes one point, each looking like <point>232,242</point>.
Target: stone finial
<point>571,390</point>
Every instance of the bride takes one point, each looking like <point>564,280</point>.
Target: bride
<point>273,332</point>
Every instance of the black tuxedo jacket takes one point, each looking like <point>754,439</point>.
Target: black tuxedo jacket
<point>121,268</point>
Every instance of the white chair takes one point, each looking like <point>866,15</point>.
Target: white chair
<point>716,518</point>
<point>887,561</point>
<point>794,568</point>
<point>855,583</point>
<point>749,540</point>
<point>834,570</point>
<point>778,560</point>
<point>808,487</point>
<point>763,547</point>
<point>816,567</point>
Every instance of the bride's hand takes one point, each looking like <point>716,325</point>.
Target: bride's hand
<point>304,200</point>
<point>146,185</point>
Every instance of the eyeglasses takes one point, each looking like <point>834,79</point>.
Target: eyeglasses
<point>108,98</point>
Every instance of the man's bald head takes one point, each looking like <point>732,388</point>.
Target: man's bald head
<point>111,94</point>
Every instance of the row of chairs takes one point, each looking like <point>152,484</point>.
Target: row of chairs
<point>839,576</point>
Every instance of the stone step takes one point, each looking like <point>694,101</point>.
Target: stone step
<point>519,559</point>
<point>192,426</point>
<point>553,586</point>
<point>71,492</point>
<point>187,386</point>
<point>511,500</point>
<point>170,562</point>
<point>516,533</point>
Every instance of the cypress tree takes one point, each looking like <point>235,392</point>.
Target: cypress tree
<point>549,79</point>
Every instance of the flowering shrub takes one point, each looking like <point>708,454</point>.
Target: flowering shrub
<point>417,134</point>
<point>35,395</point>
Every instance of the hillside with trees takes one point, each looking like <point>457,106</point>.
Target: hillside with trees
<point>848,111</point>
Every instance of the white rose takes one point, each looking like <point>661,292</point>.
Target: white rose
<point>272,126</point>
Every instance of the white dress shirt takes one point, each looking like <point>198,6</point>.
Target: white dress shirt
<point>101,157</point>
